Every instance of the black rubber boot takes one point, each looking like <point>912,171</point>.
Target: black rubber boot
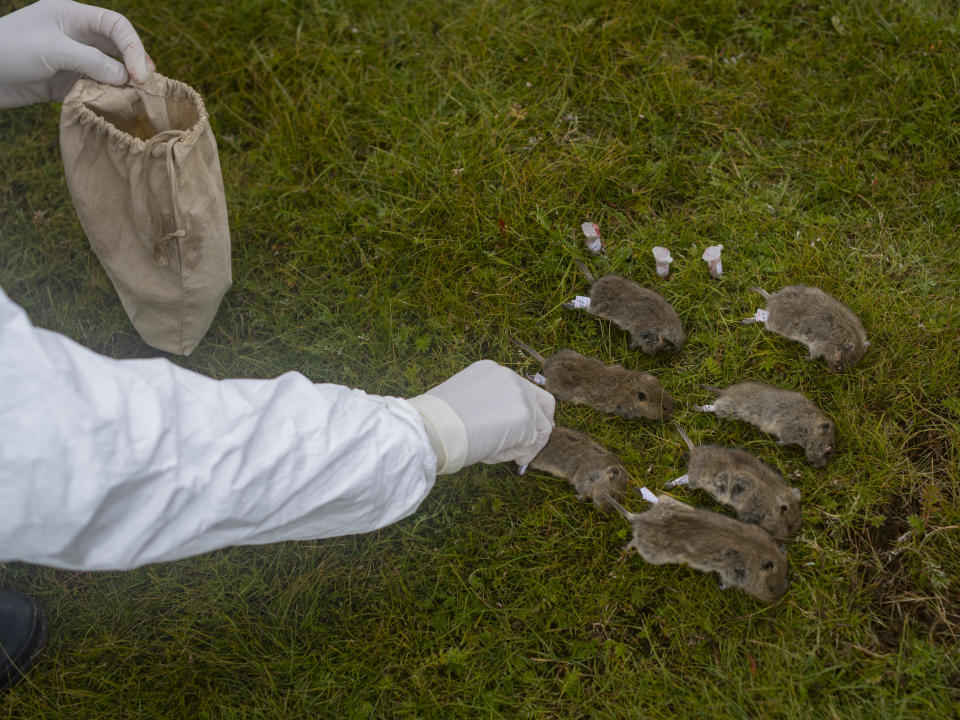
<point>23,633</point>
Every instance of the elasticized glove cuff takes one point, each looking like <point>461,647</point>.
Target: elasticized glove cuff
<point>446,431</point>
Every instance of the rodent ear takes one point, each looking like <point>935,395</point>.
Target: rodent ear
<point>825,427</point>
<point>767,566</point>
<point>784,509</point>
<point>641,396</point>
<point>615,475</point>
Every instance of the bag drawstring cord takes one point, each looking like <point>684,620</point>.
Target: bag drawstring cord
<point>161,252</point>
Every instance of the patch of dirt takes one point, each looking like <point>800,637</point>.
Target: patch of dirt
<point>896,601</point>
<point>929,445</point>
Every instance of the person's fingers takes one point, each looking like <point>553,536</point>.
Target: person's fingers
<point>61,83</point>
<point>101,43</point>
<point>130,46</point>
<point>85,59</point>
<point>86,22</point>
<point>547,403</point>
<point>542,427</point>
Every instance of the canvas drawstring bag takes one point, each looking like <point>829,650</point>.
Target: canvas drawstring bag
<point>142,167</point>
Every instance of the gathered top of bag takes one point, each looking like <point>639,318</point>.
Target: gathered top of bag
<point>131,115</point>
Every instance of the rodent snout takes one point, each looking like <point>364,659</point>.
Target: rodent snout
<point>666,406</point>
<point>780,587</point>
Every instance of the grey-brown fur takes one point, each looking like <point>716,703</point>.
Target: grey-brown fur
<point>653,324</point>
<point>594,472</point>
<point>737,479</point>
<point>743,555</point>
<point>826,326</point>
<point>788,415</point>
<point>614,389</point>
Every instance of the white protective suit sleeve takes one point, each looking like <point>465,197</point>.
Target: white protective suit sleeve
<point>112,464</point>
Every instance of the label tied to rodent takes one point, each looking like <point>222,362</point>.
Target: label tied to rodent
<point>594,245</point>
<point>648,496</point>
<point>522,469</point>
<point>760,316</point>
<point>580,302</point>
<point>705,408</point>
<point>682,480</point>
<point>539,379</point>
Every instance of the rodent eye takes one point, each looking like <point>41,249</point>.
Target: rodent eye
<point>641,395</point>
<point>768,565</point>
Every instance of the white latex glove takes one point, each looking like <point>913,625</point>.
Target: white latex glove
<point>46,46</point>
<point>485,413</point>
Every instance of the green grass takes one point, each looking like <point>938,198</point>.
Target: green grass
<point>406,183</point>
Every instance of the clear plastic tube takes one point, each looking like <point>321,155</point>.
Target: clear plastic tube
<point>712,257</point>
<point>663,259</point>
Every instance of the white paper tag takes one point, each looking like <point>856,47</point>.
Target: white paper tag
<point>648,496</point>
<point>522,469</point>
<point>595,245</point>
<point>705,408</point>
<point>761,316</point>
<point>580,302</point>
<point>682,480</point>
<point>539,379</point>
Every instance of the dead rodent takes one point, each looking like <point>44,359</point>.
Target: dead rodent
<point>788,415</point>
<point>737,479</point>
<point>826,326</point>
<point>614,389</point>
<point>743,555</point>
<point>595,473</point>
<point>653,324</point>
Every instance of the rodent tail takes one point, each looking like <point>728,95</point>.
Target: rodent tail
<point>529,351</point>
<point>620,508</point>
<point>586,271</point>
<point>766,295</point>
<point>686,438</point>
<point>713,389</point>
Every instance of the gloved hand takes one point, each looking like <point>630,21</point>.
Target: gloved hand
<point>46,46</point>
<point>485,413</point>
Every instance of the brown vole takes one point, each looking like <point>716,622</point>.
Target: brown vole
<point>614,389</point>
<point>737,479</point>
<point>789,416</point>
<point>652,323</point>
<point>594,472</point>
<point>743,555</point>
<point>826,326</point>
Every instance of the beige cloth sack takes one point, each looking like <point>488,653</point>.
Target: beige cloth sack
<point>142,167</point>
